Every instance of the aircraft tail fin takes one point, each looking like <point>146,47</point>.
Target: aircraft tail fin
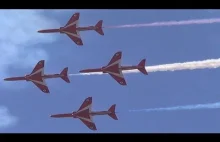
<point>98,27</point>
<point>141,67</point>
<point>112,110</point>
<point>64,75</point>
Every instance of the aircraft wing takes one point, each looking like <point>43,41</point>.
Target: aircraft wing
<point>40,83</point>
<point>116,59</point>
<point>75,37</point>
<point>113,68</point>
<point>37,79</point>
<point>39,68</point>
<point>84,113</point>
<point>88,122</point>
<point>118,76</point>
<point>73,20</point>
<point>73,24</point>
<point>87,104</point>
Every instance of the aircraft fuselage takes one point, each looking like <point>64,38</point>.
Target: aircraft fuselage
<point>106,69</point>
<point>85,28</point>
<point>93,113</point>
<point>29,77</point>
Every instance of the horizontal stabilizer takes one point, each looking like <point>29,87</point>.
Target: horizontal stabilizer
<point>64,75</point>
<point>98,27</point>
<point>141,67</point>
<point>112,110</point>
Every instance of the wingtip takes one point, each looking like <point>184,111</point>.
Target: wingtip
<point>41,62</point>
<point>46,91</point>
<point>119,52</point>
<point>125,84</point>
<point>89,98</point>
<point>94,128</point>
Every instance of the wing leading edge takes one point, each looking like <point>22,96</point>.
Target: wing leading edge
<point>36,77</point>
<point>113,68</point>
<point>71,25</point>
<point>85,116</point>
<point>87,120</point>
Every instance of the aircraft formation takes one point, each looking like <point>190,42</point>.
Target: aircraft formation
<point>113,68</point>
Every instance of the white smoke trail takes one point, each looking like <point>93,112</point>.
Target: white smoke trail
<point>205,64</point>
<point>171,23</point>
<point>186,107</point>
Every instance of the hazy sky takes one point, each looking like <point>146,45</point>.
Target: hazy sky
<point>24,108</point>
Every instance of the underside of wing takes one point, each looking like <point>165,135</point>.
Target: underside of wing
<point>40,83</point>
<point>89,123</point>
<point>73,20</point>
<point>118,77</point>
<point>39,68</point>
<point>115,59</point>
<point>86,104</point>
<point>75,38</point>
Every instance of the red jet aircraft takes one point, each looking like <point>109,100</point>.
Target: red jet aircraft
<point>72,29</point>
<point>38,77</point>
<point>85,113</point>
<point>114,68</point>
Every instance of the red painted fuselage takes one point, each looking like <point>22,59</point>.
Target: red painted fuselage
<point>49,31</point>
<point>74,114</point>
<point>86,28</point>
<point>105,70</point>
<point>29,78</point>
<point>68,29</point>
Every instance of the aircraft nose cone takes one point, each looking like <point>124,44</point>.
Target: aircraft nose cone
<point>43,31</point>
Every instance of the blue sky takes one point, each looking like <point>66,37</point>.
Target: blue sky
<point>27,109</point>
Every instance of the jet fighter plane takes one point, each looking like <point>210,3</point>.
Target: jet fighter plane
<point>114,68</point>
<point>38,77</point>
<point>72,29</point>
<point>85,113</point>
